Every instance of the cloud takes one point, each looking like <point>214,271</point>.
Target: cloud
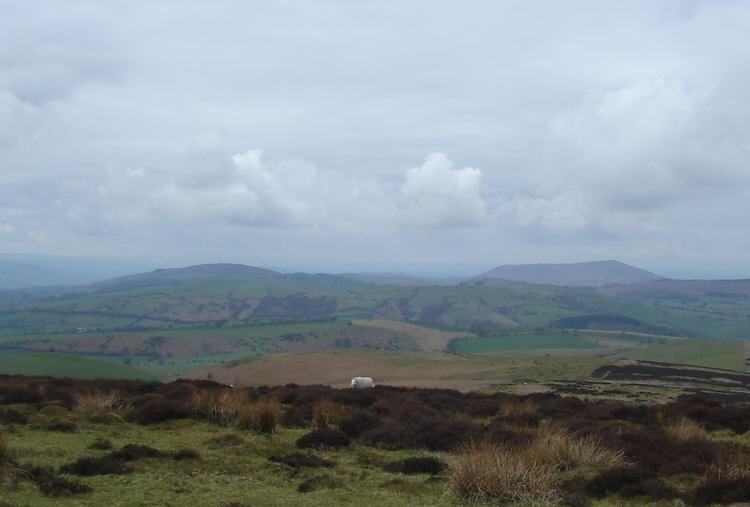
<point>436,195</point>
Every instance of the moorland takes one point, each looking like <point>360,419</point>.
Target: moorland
<point>488,390</point>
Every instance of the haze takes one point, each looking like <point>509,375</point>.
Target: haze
<point>439,137</point>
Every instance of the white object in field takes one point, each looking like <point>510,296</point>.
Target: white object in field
<point>362,382</point>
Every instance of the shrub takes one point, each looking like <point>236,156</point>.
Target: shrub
<point>324,438</point>
<point>51,484</point>
<point>629,482</point>
<point>159,410</point>
<point>186,454</point>
<point>132,452</point>
<point>10,416</point>
<point>62,426</point>
<point>219,406</point>
<point>298,459</point>
<point>20,395</point>
<point>715,490</point>
<point>327,413</point>
<point>96,466</point>
<point>426,465</point>
<point>515,407</point>
<point>359,423</point>
<point>98,400</point>
<point>684,429</point>
<point>261,415</point>
<point>487,472</point>
<point>557,447</point>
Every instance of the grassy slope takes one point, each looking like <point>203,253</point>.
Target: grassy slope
<point>239,474</point>
<point>66,365</point>
<point>509,305</point>
<point>547,340</point>
<point>713,353</point>
<point>424,369</point>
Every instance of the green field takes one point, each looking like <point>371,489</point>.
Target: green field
<point>15,362</point>
<point>712,353</point>
<point>545,340</point>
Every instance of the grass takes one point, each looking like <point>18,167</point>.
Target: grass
<point>523,341</point>
<point>240,473</point>
<point>66,365</point>
<point>726,354</point>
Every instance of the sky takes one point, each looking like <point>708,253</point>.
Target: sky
<point>387,136</point>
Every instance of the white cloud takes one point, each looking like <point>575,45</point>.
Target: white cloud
<point>436,195</point>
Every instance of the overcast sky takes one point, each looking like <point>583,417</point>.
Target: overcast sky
<point>444,137</point>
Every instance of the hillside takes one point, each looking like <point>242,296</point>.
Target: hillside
<point>580,274</point>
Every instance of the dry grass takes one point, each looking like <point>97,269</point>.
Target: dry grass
<point>261,415</point>
<point>684,429</point>
<point>514,407</point>
<point>221,407</point>
<point>485,471</point>
<point>328,413</point>
<point>98,400</point>
<point>731,466</point>
<point>560,450</point>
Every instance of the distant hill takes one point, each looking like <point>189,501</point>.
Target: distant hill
<point>180,275</point>
<point>388,279</point>
<point>680,289</point>
<point>580,274</point>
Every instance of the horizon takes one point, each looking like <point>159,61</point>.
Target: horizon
<point>343,137</point>
<point>104,268</point>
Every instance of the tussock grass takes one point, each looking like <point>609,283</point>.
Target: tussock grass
<point>515,407</point>
<point>684,429</point>
<point>733,465</point>
<point>261,415</point>
<point>484,471</point>
<point>562,451</point>
<point>98,400</point>
<point>327,413</point>
<point>218,406</point>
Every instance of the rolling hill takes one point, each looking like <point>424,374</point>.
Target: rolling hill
<point>581,274</point>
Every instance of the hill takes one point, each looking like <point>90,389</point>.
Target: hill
<point>680,289</point>
<point>181,275</point>
<point>580,274</point>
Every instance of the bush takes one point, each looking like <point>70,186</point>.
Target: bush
<point>51,484</point>
<point>10,416</point>
<point>97,400</point>
<point>158,410</point>
<point>487,472</point>
<point>684,429</point>
<point>261,416</point>
<point>132,452</point>
<point>64,427</point>
<point>629,482</point>
<point>186,454</point>
<point>426,465</point>
<point>359,423</point>
<point>17,395</point>
<point>327,413</point>
<point>219,406</point>
<point>324,438</point>
<point>716,490</point>
<point>96,466</point>
<point>557,447</point>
